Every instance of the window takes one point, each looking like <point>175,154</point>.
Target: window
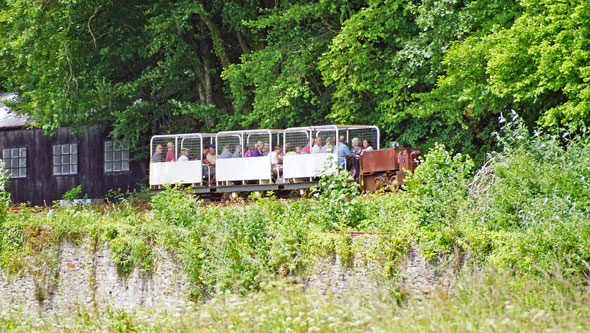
<point>15,160</point>
<point>116,157</point>
<point>65,159</point>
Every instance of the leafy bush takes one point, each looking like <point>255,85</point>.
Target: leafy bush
<point>74,193</point>
<point>338,204</point>
<point>438,190</point>
<point>176,206</point>
<point>529,205</point>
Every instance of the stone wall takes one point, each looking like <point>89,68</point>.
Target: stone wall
<point>84,275</point>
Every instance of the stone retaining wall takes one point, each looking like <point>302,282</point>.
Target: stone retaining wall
<point>84,275</point>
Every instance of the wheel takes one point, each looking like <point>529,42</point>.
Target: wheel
<point>378,183</point>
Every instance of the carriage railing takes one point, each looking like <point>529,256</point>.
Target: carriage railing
<point>177,169</point>
<point>250,160</point>
<point>303,160</point>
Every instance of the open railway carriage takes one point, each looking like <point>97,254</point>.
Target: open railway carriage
<point>306,166</point>
<point>174,172</point>
<point>242,171</point>
<point>302,163</point>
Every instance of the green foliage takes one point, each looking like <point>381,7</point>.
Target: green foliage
<point>339,207</point>
<point>74,193</point>
<point>176,206</point>
<point>4,194</point>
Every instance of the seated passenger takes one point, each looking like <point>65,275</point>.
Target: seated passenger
<point>275,156</point>
<point>329,146</point>
<point>318,144</point>
<point>260,148</point>
<point>226,153</point>
<point>208,167</point>
<point>290,151</point>
<point>298,150</point>
<point>266,149</point>
<point>343,152</point>
<point>356,154</point>
<point>211,155</point>
<point>276,160</point>
<point>170,155</point>
<point>158,157</point>
<point>238,152</point>
<point>305,150</point>
<point>252,151</point>
<point>356,148</point>
<point>183,155</point>
<point>366,146</point>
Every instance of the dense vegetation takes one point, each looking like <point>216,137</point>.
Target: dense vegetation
<point>424,71</point>
<point>522,222</point>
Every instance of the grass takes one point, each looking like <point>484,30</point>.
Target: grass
<point>482,301</point>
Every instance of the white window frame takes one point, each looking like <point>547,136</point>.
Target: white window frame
<point>116,157</point>
<point>64,155</point>
<point>10,155</point>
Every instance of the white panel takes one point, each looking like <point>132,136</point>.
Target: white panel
<point>188,172</point>
<point>245,168</point>
<point>308,165</point>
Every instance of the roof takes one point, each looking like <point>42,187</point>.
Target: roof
<point>9,118</point>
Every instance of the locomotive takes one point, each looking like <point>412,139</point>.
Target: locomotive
<point>234,162</point>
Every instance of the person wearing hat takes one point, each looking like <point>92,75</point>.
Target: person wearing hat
<point>170,155</point>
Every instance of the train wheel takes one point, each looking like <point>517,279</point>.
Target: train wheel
<point>378,183</point>
<point>393,183</point>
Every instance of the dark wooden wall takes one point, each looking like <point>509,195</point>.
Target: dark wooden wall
<point>42,187</point>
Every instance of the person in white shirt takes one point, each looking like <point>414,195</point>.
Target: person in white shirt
<point>276,160</point>
<point>317,147</point>
<point>183,155</point>
<point>366,146</point>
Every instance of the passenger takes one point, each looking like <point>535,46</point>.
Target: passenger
<point>226,153</point>
<point>366,146</point>
<point>276,161</point>
<point>183,155</point>
<point>343,152</point>
<point>298,150</point>
<point>329,147</point>
<point>318,145</point>
<point>260,148</point>
<point>356,154</point>
<point>211,156</point>
<point>238,152</point>
<point>208,166</point>
<point>266,149</point>
<point>305,150</point>
<point>170,155</point>
<point>290,150</point>
<point>275,156</point>
<point>356,148</point>
<point>157,157</point>
<point>252,151</point>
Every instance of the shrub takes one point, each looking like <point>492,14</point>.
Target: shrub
<point>176,206</point>
<point>338,205</point>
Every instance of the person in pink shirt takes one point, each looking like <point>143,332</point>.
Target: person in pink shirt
<point>170,155</point>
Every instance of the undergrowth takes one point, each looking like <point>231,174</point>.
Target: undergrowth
<point>525,211</point>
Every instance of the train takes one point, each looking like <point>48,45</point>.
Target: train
<point>283,161</point>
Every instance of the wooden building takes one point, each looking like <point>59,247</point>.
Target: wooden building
<point>42,168</point>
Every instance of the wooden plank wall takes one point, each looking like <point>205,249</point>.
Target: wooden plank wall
<point>42,187</point>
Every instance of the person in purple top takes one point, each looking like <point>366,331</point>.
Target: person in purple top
<point>252,151</point>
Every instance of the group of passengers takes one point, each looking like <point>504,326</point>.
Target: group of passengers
<point>346,156</point>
